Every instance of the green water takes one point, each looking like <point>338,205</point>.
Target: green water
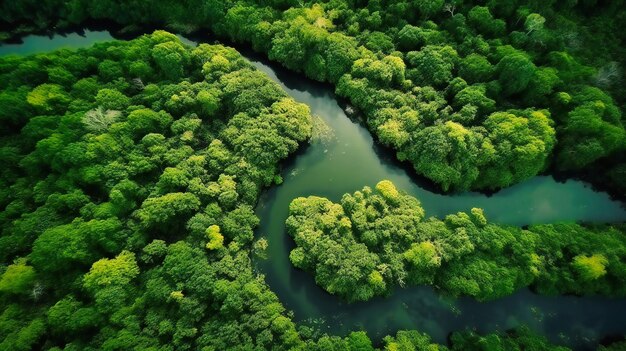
<point>349,159</point>
<point>38,43</point>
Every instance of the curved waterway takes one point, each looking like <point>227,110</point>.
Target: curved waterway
<point>350,160</point>
<point>346,159</point>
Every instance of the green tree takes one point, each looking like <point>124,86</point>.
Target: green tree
<point>111,99</point>
<point>167,208</point>
<point>450,154</point>
<point>590,267</point>
<point>429,8</point>
<point>144,121</point>
<point>483,21</point>
<point>119,271</point>
<point>592,130</point>
<point>514,73</point>
<point>475,68</point>
<point>432,65</point>
<point>48,98</point>
<point>215,238</point>
<point>522,146</point>
<point>170,57</point>
<point>18,278</point>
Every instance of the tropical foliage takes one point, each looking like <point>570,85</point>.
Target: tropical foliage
<point>376,239</point>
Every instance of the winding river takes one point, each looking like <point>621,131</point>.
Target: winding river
<point>346,159</point>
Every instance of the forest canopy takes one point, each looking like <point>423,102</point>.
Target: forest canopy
<point>128,221</point>
<point>475,95</point>
<point>131,169</point>
<point>376,239</point>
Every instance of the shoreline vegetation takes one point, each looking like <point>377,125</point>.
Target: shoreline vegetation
<point>128,201</point>
<point>507,133</point>
<point>377,239</point>
<point>139,242</point>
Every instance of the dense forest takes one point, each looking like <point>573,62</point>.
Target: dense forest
<point>376,239</point>
<point>131,169</point>
<point>474,95</point>
<point>128,206</point>
<point>128,202</point>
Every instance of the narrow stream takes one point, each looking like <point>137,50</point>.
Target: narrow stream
<point>348,159</point>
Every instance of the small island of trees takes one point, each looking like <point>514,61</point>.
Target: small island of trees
<point>376,239</point>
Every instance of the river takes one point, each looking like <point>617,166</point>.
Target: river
<point>348,159</point>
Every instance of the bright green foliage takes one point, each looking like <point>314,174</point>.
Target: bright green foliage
<point>448,153</point>
<point>474,96</point>
<point>47,97</point>
<point>475,68</point>
<point>215,239</point>
<point>20,329</point>
<point>120,271</point>
<point>594,267</point>
<point>347,269</point>
<point>209,101</point>
<point>171,57</point>
<point>422,261</point>
<point>388,191</point>
<point>380,42</point>
<point>63,248</point>
<point>409,57</point>
<point>483,21</point>
<point>411,340</point>
<point>428,8</point>
<point>109,70</point>
<point>144,121</point>
<point>466,78</point>
<point>534,22</point>
<point>18,278</point>
<point>518,339</point>
<point>590,267</point>
<point>173,179</point>
<point>70,316</point>
<point>111,99</point>
<point>108,174</point>
<point>413,37</point>
<point>593,129</point>
<point>433,65</point>
<point>375,240</point>
<point>167,208</point>
<point>521,145</point>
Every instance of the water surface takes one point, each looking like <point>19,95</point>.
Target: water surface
<point>352,160</point>
<point>33,44</point>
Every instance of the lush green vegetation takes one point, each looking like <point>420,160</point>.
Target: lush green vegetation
<point>474,94</point>
<point>376,239</point>
<point>130,172</point>
<point>515,340</point>
<point>130,169</point>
